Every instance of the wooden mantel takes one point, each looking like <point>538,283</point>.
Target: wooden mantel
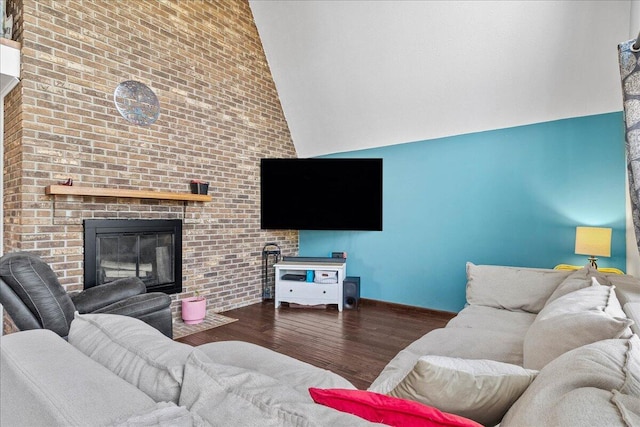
<point>73,190</point>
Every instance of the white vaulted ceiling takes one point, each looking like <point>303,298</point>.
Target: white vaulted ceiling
<point>362,74</point>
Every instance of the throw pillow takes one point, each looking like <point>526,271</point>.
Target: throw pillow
<point>582,407</point>
<point>134,351</point>
<point>482,390</point>
<point>592,298</point>
<point>613,306</point>
<point>392,411</point>
<point>511,288</point>
<point>577,280</point>
<point>548,338</point>
<point>579,387</point>
<point>632,309</point>
<point>631,369</point>
<point>629,407</point>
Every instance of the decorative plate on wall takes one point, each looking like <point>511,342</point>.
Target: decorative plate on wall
<point>137,103</point>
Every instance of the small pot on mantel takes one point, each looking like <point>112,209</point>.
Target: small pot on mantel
<point>194,310</point>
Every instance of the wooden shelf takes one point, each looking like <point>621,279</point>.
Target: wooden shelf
<point>72,190</point>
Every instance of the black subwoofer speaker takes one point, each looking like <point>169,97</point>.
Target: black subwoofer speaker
<point>351,293</point>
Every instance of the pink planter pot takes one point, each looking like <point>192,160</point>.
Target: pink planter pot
<point>194,310</point>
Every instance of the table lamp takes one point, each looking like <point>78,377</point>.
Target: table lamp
<point>593,241</point>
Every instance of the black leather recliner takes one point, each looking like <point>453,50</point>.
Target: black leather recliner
<point>32,295</point>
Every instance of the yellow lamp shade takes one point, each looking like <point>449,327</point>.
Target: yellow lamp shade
<point>594,241</point>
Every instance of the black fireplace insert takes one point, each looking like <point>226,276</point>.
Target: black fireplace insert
<point>148,249</point>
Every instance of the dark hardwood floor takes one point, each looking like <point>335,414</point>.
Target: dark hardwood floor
<point>356,344</point>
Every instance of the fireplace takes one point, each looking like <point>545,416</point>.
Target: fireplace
<point>148,249</point>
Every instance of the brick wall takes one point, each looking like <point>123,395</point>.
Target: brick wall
<point>220,114</point>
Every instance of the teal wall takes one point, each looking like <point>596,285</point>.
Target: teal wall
<point>507,197</point>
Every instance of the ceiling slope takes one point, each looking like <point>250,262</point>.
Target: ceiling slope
<point>362,74</point>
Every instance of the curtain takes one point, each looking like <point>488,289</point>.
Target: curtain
<point>630,77</point>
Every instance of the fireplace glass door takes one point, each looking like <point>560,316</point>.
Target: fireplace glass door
<point>149,257</point>
<point>148,249</point>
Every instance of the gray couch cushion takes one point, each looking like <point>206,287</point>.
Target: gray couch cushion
<point>576,388</point>
<point>164,414</point>
<point>46,381</point>
<point>133,350</point>
<point>632,310</point>
<point>218,393</point>
<point>511,288</point>
<point>494,319</point>
<point>297,374</point>
<point>629,407</point>
<point>587,406</point>
<point>627,287</point>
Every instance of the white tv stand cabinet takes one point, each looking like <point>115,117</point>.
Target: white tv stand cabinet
<point>309,293</point>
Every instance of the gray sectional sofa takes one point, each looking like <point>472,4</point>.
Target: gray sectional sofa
<point>117,370</point>
<point>532,347</point>
<point>538,347</point>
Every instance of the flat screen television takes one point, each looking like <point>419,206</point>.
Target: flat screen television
<point>321,194</point>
